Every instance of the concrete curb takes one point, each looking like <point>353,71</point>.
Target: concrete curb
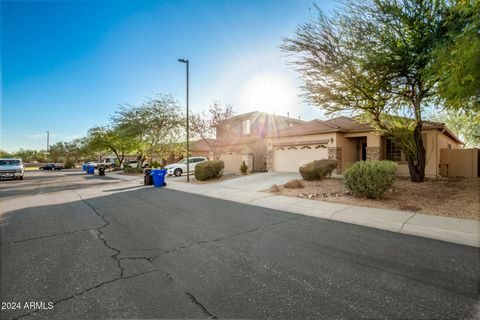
<point>460,231</point>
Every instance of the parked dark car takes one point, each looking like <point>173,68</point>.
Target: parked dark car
<point>51,166</point>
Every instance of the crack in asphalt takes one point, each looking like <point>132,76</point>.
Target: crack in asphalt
<point>85,291</point>
<point>200,305</point>
<point>100,233</point>
<point>115,256</point>
<point>186,246</point>
<point>47,236</point>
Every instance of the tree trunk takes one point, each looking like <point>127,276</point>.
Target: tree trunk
<point>120,159</point>
<point>416,162</point>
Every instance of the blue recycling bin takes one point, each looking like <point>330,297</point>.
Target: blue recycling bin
<point>159,177</point>
<point>84,167</point>
<point>90,170</point>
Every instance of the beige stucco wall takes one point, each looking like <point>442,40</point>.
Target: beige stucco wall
<point>434,141</point>
<point>349,150</point>
<point>373,139</point>
<point>459,162</point>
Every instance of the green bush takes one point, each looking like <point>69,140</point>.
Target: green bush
<point>155,164</point>
<point>244,168</point>
<point>69,165</point>
<point>129,169</point>
<point>209,170</point>
<point>370,178</point>
<point>318,169</point>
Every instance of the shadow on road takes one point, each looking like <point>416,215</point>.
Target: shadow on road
<point>225,255</point>
<point>53,183</point>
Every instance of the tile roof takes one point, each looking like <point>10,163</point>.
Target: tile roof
<point>347,124</point>
<point>311,127</point>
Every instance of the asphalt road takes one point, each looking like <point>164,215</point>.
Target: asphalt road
<point>92,248</point>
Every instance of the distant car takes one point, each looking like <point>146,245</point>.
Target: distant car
<point>107,165</point>
<point>180,167</point>
<point>51,166</point>
<point>134,164</point>
<point>11,168</point>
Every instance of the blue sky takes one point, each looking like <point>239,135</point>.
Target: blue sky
<point>67,65</point>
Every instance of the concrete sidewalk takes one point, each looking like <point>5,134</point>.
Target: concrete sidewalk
<point>461,231</point>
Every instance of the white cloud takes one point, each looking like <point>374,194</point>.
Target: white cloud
<point>40,135</point>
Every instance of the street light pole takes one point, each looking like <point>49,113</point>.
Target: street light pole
<point>48,142</point>
<point>188,127</point>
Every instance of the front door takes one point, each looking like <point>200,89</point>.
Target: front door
<point>364,151</point>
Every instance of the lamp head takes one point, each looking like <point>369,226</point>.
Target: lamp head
<point>183,60</point>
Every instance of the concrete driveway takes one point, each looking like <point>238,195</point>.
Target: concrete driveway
<point>259,181</point>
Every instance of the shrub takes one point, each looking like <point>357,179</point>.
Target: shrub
<point>209,170</point>
<point>294,184</point>
<point>155,164</point>
<point>370,178</point>
<point>129,169</point>
<point>69,165</point>
<point>318,169</point>
<point>244,168</point>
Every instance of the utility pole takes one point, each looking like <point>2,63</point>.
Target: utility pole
<point>188,127</point>
<point>48,143</point>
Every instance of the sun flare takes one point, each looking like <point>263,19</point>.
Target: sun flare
<point>272,93</point>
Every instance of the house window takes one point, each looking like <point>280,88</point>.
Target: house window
<point>246,126</point>
<point>393,151</point>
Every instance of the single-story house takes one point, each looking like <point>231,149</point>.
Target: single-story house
<point>348,141</point>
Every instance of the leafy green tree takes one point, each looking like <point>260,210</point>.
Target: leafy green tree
<point>40,155</point>
<point>26,155</point>
<point>465,125</point>
<point>375,59</point>
<point>457,59</point>
<point>110,139</point>
<point>154,126</point>
<point>5,154</point>
<point>70,152</point>
<point>56,152</point>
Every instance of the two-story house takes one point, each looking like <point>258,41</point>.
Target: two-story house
<point>243,138</point>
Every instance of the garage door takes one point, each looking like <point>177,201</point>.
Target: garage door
<point>290,158</point>
<point>232,162</point>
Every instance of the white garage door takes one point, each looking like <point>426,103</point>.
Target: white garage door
<point>232,162</point>
<point>290,158</point>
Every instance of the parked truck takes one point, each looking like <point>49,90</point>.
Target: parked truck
<point>11,168</point>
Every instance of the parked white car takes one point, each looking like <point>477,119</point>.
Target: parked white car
<point>11,168</point>
<point>180,167</point>
<point>134,164</point>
